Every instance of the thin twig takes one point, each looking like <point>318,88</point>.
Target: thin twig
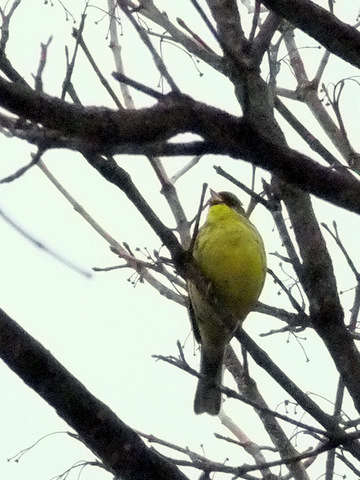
<point>293,301</point>
<point>198,216</point>
<point>194,35</point>
<point>194,161</point>
<point>156,57</point>
<point>37,243</point>
<point>79,38</point>
<point>42,63</point>
<point>36,158</point>
<point>322,65</point>
<point>307,136</point>
<point>138,86</point>
<point>183,365</point>
<point>206,20</point>
<point>5,24</point>
<point>71,65</point>
<point>116,51</point>
<point>335,236</point>
<point>258,199</point>
<point>172,198</point>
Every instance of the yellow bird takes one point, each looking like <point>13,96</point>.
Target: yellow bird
<point>230,253</point>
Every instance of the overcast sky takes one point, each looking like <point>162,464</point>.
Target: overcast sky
<point>104,329</point>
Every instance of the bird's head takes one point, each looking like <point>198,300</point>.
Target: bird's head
<point>228,199</point>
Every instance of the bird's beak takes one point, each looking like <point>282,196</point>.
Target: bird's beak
<point>215,198</point>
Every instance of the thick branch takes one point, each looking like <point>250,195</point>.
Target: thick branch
<point>116,175</point>
<point>227,18</point>
<point>102,130</point>
<point>319,283</point>
<point>119,447</point>
<point>336,36</point>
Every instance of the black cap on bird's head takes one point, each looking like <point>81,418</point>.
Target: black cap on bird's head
<point>226,198</point>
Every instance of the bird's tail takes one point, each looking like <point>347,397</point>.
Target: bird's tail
<point>208,395</point>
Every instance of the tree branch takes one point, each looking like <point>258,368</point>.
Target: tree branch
<point>318,281</point>
<point>328,422</point>
<point>116,444</point>
<point>103,130</point>
<point>344,40</point>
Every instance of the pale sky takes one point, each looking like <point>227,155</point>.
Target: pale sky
<point>103,329</point>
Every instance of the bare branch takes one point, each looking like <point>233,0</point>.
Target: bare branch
<point>262,40</point>
<point>318,22</point>
<point>103,129</point>
<point>247,386</point>
<point>37,243</point>
<point>119,447</point>
<point>327,421</point>
<point>79,38</point>
<point>145,39</point>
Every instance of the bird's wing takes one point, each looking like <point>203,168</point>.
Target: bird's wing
<point>192,316</point>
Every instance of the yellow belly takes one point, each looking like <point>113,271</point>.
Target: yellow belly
<point>230,253</point>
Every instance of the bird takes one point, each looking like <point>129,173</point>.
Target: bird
<point>230,254</point>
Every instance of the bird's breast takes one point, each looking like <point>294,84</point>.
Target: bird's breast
<point>231,255</point>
